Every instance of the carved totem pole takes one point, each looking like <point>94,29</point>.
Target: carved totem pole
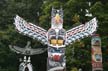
<point>25,64</point>
<point>56,37</point>
<point>96,53</point>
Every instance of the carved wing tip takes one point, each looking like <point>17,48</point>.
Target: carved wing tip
<point>95,19</point>
<point>16,16</point>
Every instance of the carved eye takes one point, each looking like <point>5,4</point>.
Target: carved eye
<point>52,50</point>
<point>62,32</point>
<point>52,32</point>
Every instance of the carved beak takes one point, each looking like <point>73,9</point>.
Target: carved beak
<point>57,19</point>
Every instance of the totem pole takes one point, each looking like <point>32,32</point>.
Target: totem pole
<point>56,37</point>
<point>25,64</point>
<point>96,53</point>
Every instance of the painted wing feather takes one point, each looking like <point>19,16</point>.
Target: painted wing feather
<point>81,31</point>
<point>30,29</point>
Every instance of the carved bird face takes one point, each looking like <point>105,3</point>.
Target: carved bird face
<point>57,18</point>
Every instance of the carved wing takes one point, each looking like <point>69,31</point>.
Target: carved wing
<point>38,51</point>
<point>26,51</point>
<point>16,49</point>
<point>81,31</point>
<point>30,29</point>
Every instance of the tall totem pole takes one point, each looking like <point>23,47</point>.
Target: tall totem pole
<point>96,53</point>
<point>56,37</point>
<point>25,63</point>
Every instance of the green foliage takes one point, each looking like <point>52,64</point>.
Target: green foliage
<point>74,69</point>
<point>39,12</point>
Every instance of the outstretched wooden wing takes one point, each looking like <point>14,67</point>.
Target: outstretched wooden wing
<point>30,29</point>
<point>81,31</point>
<point>27,51</point>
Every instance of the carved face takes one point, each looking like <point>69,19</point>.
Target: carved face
<point>56,39</point>
<point>57,18</point>
<point>96,41</point>
<point>56,54</point>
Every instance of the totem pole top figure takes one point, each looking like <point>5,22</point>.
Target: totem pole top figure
<point>57,19</point>
<point>56,36</point>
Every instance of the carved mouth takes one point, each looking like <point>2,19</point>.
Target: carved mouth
<point>56,57</point>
